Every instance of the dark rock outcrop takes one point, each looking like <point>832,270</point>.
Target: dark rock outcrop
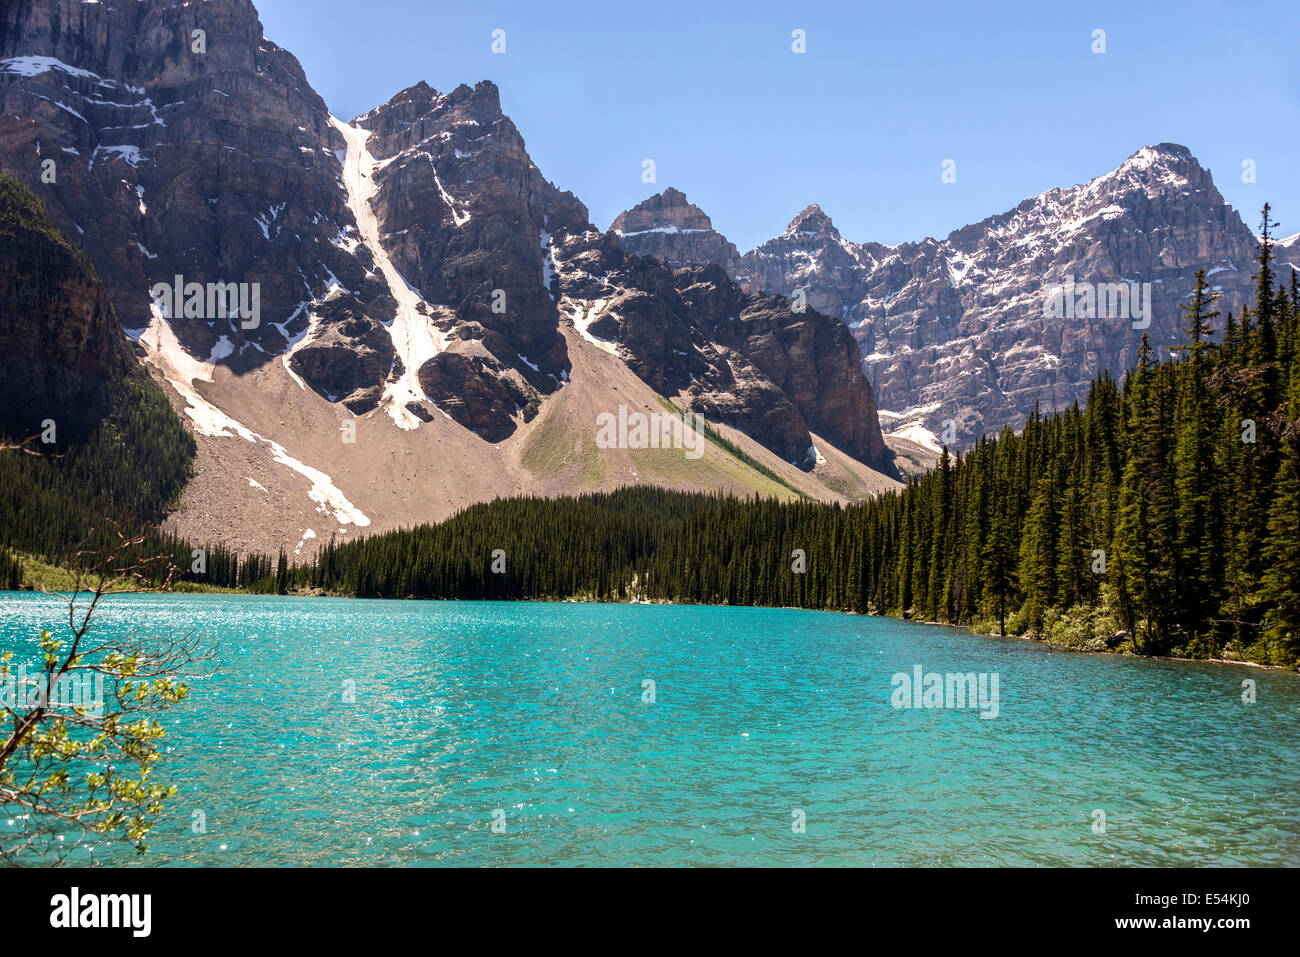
<point>747,360</point>
<point>62,352</point>
<point>348,357</point>
<point>806,355</point>
<point>478,392</point>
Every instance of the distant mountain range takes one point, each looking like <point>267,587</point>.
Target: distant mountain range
<point>953,332</point>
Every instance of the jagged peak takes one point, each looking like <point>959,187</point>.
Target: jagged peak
<point>481,101</point>
<point>1167,149</point>
<point>485,93</point>
<point>669,198</point>
<point>415,93</point>
<point>667,208</point>
<point>1162,154</point>
<point>811,220</point>
<point>672,197</point>
<point>1160,167</point>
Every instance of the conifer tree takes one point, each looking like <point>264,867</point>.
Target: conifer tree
<point>1199,533</point>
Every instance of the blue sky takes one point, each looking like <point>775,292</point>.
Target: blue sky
<point>862,122</point>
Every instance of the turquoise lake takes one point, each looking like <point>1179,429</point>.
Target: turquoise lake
<point>464,709</point>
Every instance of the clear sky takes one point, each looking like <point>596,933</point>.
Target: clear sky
<point>862,122</point>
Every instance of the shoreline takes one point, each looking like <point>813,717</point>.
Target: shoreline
<point>1118,654</point>
<point>1054,646</point>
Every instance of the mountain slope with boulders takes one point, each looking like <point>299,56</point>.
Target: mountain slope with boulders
<point>745,359</point>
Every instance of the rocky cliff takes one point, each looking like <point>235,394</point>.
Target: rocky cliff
<point>62,352</point>
<point>957,334</point>
<point>674,230</point>
<point>176,140</point>
<point>462,214</point>
<point>746,359</point>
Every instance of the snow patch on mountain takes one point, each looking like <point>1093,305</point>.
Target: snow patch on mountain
<point>164,351</point>
<point>582,315</point>
<point>963,317</point>
<point>415,338</point>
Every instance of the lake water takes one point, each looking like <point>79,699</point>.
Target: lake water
<point>534,715</point>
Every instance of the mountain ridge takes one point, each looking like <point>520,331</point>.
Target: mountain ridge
<point>953,331</point>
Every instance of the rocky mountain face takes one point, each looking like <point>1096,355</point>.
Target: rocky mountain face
<point>61,349</point>
<point>411,265</point>
<point>175,140</point>
<point>812,249</point>
<point>1288,252</point>
<point>745,359</point>
<point>461,214</point>
<point>678,232</point>
<point>961,335</point>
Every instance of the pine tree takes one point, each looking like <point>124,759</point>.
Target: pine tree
<point>1036,571</point>
<point>1279,589</point>
<point>1199,534</point>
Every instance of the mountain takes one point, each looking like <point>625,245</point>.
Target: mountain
<point>375,322</point>
<point>670,228</point>
<point>216,166</point>
<point>742,358</point>
<point>452,209</point>
<point>956,334</point>
<point>1288,251</point>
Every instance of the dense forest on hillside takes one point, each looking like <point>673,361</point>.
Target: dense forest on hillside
<point>1162,517</point>
<point>113,447</point>
<point>119,481</point>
